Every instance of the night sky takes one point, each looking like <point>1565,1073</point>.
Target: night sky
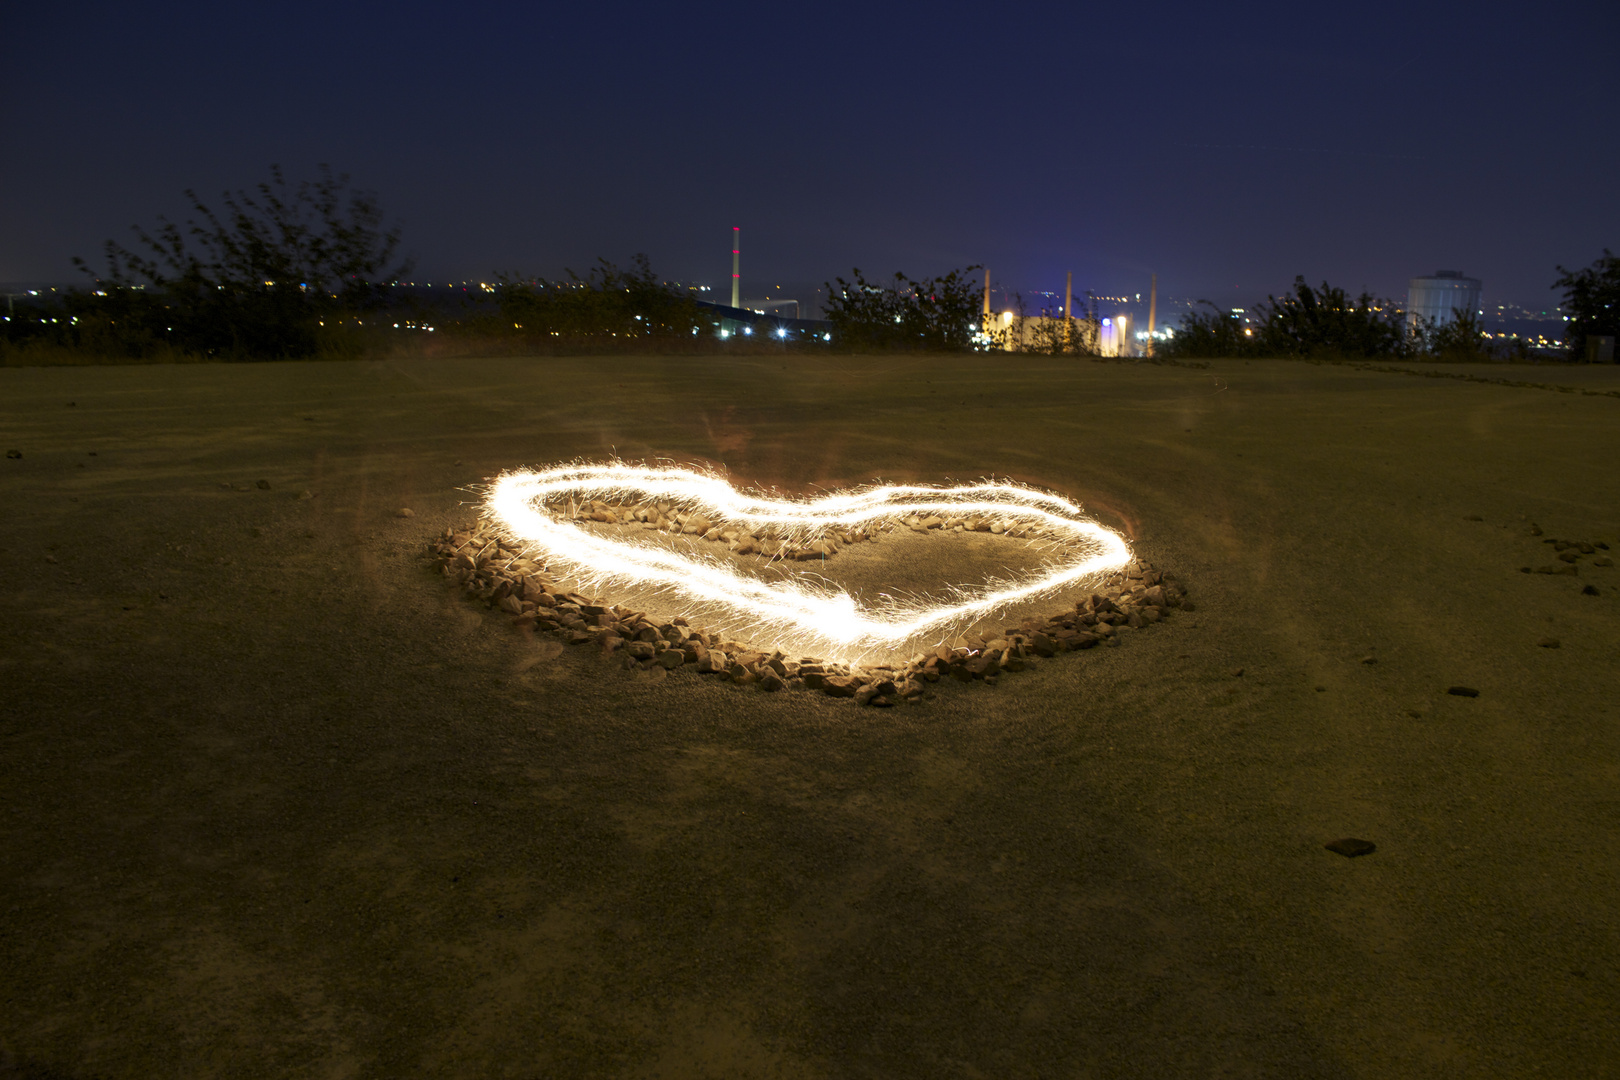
<point>1225,147</point>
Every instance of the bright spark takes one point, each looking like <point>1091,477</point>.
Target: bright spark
<point>812,619</point>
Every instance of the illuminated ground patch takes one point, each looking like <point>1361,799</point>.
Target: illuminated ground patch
<point>903,583</point>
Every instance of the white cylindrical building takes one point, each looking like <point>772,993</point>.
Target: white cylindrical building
<point>1438,299</point>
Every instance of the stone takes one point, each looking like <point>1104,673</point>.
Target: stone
<point>1569,556</point>
<point>840,685</point>
<point>771,682</point>
<point>404,512</point>
<point>1589,590</point>
<point>1462,691</point>
<point>305,494</point>
<point>641,650</point>
<point>671,659</point>
<point>14,454</point>
<point>983,666</point>
<point>1545,643</point>
<point>262,485</point>
<point>1350,847</point>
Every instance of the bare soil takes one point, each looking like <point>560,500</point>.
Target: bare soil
<point>276,801</point>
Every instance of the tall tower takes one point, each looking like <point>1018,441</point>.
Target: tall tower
<point>986,320</point>
<point>736,266</point>
<point>1068,296</point>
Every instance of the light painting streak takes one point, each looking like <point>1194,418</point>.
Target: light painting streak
<point>822,621</point>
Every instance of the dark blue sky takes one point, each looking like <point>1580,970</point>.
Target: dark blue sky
<point>1226,147</point>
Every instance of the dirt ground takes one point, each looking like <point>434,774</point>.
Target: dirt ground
<point>275,801</point>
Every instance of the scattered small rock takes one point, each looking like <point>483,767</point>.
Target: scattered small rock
<point>1369,659</point>
<point>1472,517</point>
<point>405,512</point>
<point>1589,590</point>
<point>305,494</point>
<point>1548,642</point>
<point>13,454</point>
<point>263,485</point>
<point>1462,691</point>
<point>1350,847</point>
<point>1602,560</point>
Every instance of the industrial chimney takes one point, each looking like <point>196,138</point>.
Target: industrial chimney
<point>736,266</point>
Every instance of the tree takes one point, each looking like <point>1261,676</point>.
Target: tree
<point>258,279</point>
<point>939,313</point>
<point>1591,301</point>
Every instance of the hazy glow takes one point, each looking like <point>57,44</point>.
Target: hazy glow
<point>808,617</point>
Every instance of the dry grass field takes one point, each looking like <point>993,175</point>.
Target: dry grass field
<point>275,801</point>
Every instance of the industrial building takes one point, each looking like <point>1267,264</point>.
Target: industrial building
<point>1437,300</point>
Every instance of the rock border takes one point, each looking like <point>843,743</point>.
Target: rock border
<point>489,565</point>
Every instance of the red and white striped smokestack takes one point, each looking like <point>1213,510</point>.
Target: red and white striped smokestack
<point>736,266</point>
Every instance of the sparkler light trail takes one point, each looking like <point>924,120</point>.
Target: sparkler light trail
<point>816,619</point>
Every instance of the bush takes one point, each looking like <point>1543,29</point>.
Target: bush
<point>259,281</point>
<point>1215,332</point>
<point>1323,321</point>
<point>607,302</point>
<point>933,314</point>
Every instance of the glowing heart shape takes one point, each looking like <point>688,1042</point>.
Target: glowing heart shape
<point>799,616</point>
